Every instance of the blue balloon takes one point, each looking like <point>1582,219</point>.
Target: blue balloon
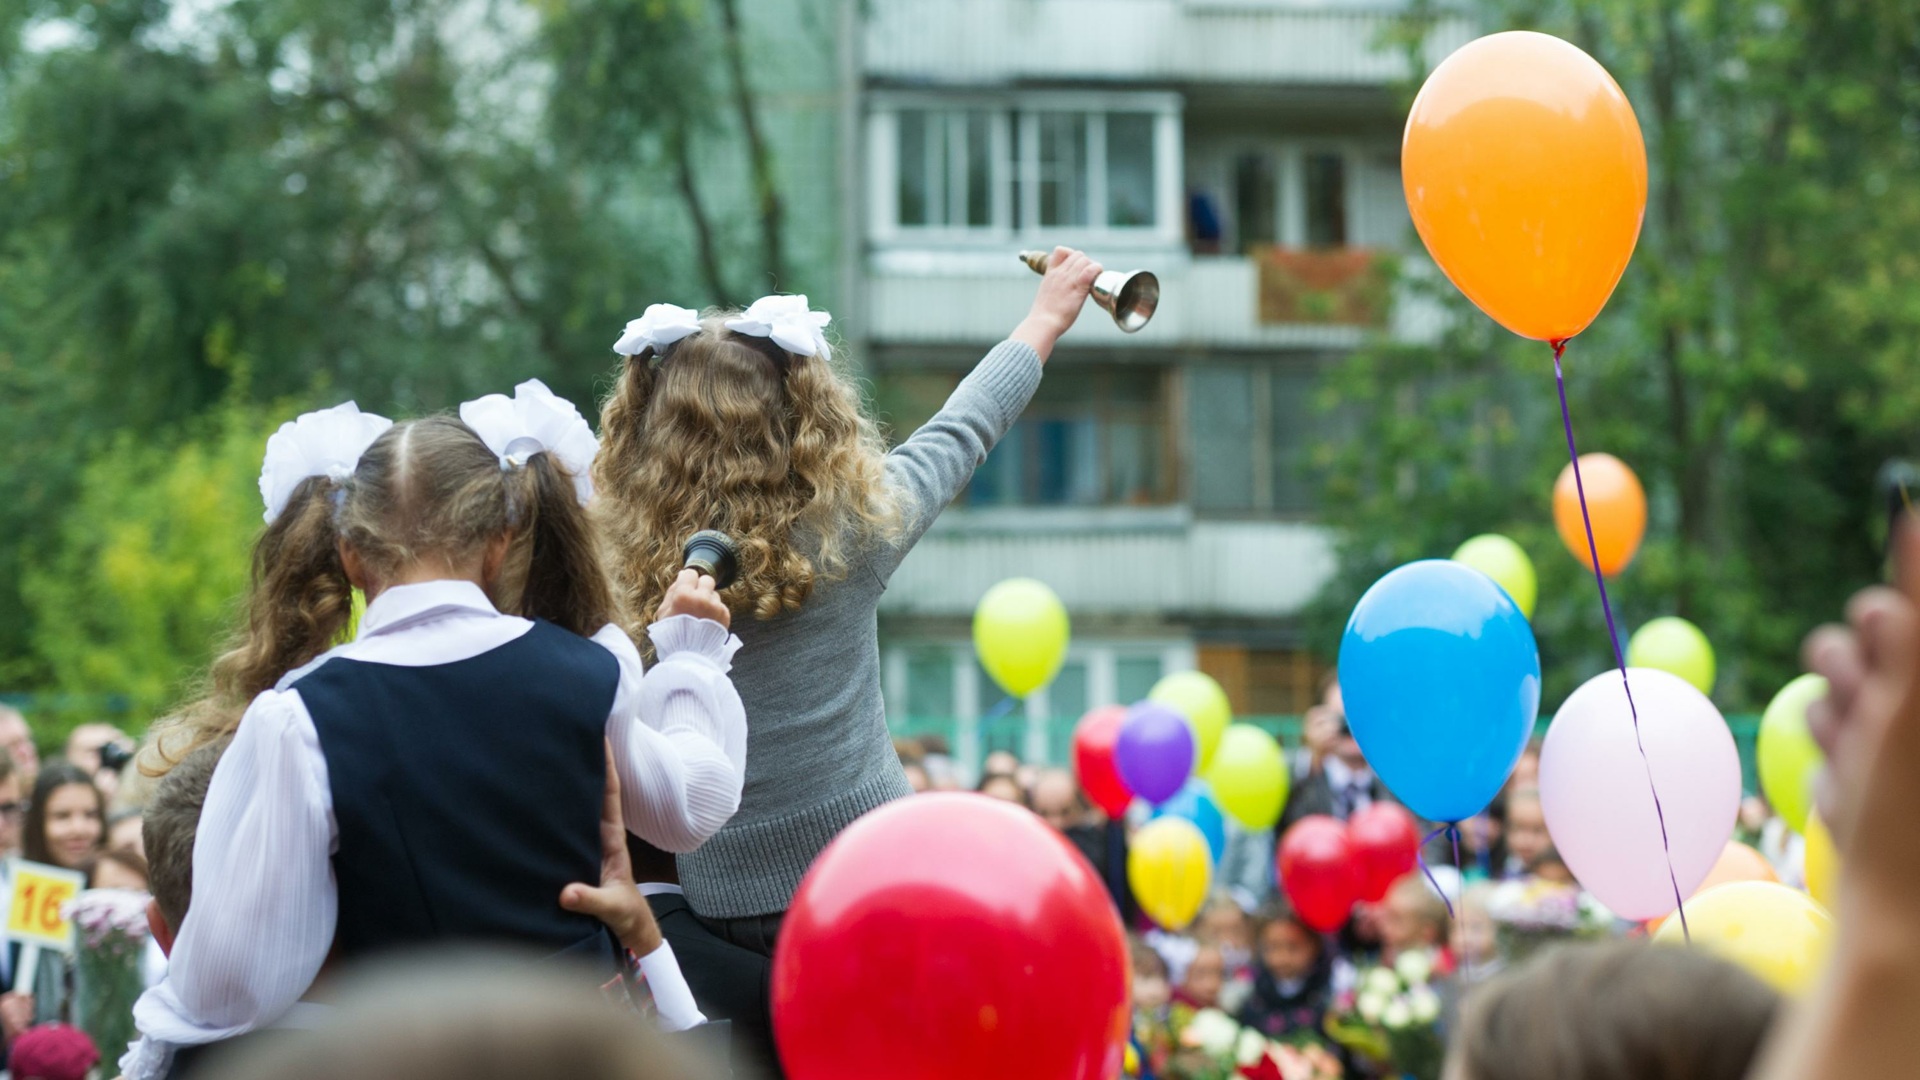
<point>1194,802</point>
<point>1154,751</point>
<point>1441,681</point>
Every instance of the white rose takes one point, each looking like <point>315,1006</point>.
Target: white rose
<point>1380,981</point>
<point>1414,966</point>
<point>1424,1004</point>
<point>1396,1015</point>
<point>1251,1048</point>
<point>1213,1031</point>
<point>1370,1005</point>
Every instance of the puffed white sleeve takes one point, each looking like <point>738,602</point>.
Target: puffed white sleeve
<point>264,902</point>
<point>679,732</point>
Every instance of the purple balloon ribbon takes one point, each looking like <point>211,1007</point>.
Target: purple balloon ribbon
<point>1613,634</point>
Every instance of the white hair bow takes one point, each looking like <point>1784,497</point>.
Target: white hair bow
<point>789,322</point>
<point>531,421</point>
<point>327,442</point>
<point>658,327</point>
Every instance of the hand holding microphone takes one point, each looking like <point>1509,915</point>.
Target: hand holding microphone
<point>711,560</point>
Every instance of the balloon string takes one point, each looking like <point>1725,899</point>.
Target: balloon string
<point>1421,856</point>
<point>1460,883</point>
<point>1613,635</point>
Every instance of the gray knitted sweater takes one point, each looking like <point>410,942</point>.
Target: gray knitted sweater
<point>818,751</point>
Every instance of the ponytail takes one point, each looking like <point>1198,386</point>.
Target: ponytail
<point>298,605</point>
<point>563,580</point>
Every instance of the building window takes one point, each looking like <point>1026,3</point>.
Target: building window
<point>1134,676</point>
<point>993,168</point>
<point>1090,438</point>
<point>1256,201</point>
<point>1252,428</point>
<point>1326,200</point>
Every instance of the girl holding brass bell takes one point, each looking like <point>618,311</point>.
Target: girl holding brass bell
<point>739,421</point>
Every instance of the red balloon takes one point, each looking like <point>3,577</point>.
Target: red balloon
<point>1093,741</point>
<point>951,936</point>
<point>1318,871</point>
<point>1386,846</point>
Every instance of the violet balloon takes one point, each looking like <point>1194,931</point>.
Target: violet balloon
<point>1154,752</point>
<point>1600,810</point>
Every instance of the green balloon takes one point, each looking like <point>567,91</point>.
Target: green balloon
<point>1196,696</point>
<point>1787,755</point>
<point>1503,560</point>
<point>1675,645</point>
<point>1249,777</point>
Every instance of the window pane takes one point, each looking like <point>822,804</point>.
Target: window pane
<point>1326,200</point>
<point>1133,462</point>
<point>1256,201</point>
<point>997,481</point>
<point>979,170</point>
<point>1063,169</point>
<point>1220,423</point>
<point>1003,723</point>
<point>1130,169</point>
<point>929,684</point>
<point>1133,676</point>
<point>1293,436</point>
<point>1066,461</point>
<point>1066,703</point>
<point>916,200</point>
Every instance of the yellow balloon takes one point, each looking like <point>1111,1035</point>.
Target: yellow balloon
<point>1780,934</point>
<point>1020,633</point>
<point>1673,644</point>
<point>1822,861</point>
<point>1506,563</point>
<point>1196,696</point>
<point>1169,870</point>
<point>1785,753</point>
<point>1249,777</point>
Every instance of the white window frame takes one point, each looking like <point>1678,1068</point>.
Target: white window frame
<point>1015,148</point>
<point>1290,164</point>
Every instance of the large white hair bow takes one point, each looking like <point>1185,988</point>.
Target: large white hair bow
<point>531,421</point>
<point>789,322</point>
<point>328,442</point>
<point>658,327</point>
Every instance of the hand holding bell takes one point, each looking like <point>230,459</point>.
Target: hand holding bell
<point>1130,296</point>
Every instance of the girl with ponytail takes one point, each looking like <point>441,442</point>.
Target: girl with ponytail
<point>440,775</point>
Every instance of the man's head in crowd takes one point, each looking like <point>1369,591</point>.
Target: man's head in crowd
<point>13,807</point>
<point>1000,763</point>
<point>83,750</point>
<point>16,738</point>
<point>172,820</point>
<point>1057,799</point>
<point>1003,787</point>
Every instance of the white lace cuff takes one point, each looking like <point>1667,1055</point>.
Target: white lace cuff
<point>147,1059</point>
<point>681,635</point>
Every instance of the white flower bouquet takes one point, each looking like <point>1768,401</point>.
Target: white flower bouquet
<point>1392,1017</point>
<point>1529,914</point>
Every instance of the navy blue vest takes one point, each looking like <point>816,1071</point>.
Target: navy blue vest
<point>467,794</point>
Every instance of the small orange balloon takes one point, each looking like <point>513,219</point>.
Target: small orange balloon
<point>1737,862</point>
<point>1616,504</point>
<point>1526,174</point>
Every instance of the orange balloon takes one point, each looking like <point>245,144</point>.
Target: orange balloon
<point>1616,504</point>
<point>1527,178</point>
<point>1737,862</point>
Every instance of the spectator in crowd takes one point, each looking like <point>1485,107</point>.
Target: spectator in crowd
<point>1483,842</point>
<point>479,1017</point>
<point>1615,1011</point>
<point>1526,771</point>
<point>1001,763</point>
<point>1058,800</point>
<point>1246,866</point>
<point>1152,1000</point>
<point>13,810</point>
<point>942,773</point>
<point>16,738</point>
<point>1224,924</point>
<point>66,818</point>
<point>917,777</point>
<point>1412,916</point>
<point>1527,837</point>
<point>119,870</point>
<point>1549,867</point>
<point>124,832</point>
<point>1293,978</point>
<point>1004,787</point>
<point>1475,939</point>
<point>101,751</point>
<point>1204,980</point>
<point>1337,780</point>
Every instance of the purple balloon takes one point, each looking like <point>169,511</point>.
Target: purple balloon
<point>1154,752</point>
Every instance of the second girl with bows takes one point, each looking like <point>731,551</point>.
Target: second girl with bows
<point>440,776</point>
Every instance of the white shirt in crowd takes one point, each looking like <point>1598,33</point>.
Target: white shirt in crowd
<point>257,932</point>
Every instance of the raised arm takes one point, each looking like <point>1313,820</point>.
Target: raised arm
<point>931,466</point>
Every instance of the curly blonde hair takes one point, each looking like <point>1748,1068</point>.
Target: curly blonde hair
<point>728,431</point>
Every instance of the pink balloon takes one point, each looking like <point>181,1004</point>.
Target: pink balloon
<point>1593,789</point>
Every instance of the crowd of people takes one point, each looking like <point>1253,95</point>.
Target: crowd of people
<point>540,731</point>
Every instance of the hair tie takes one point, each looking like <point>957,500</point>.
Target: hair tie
<point>535,421</point>
<point>658,327</point>
<point>327,442</point>
<point>789,322</point>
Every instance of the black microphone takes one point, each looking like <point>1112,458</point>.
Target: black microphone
<point>713,553</point>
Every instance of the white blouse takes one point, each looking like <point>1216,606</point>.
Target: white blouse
<point>265,902</point>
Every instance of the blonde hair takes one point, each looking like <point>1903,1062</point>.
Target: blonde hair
<point>728,431</point>
<point>425,489</point>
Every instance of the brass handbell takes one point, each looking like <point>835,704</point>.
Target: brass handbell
<point>1130,296</point>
